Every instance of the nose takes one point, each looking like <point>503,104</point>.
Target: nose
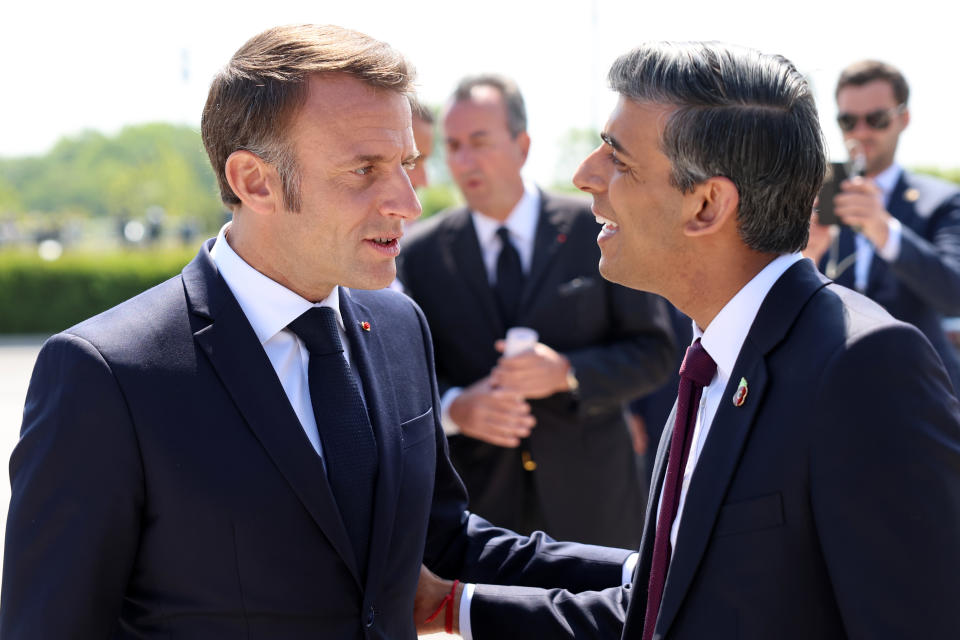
<point>589,177</point>
<point>400,199</point>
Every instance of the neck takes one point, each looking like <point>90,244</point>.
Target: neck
<point>709,290</point>
<point>248,244</point>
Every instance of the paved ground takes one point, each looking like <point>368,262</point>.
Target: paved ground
<point>17,355</point>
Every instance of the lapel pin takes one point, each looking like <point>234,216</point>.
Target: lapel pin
<point>365,325</point>
<point>561,238</point>
<point>740,396</point>
<point>911,195</point>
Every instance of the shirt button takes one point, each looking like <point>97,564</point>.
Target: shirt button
<point>370,616</point>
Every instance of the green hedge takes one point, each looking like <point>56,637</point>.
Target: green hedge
<point>38,296</point>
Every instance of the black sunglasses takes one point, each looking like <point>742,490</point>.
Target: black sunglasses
<point>879,119</point>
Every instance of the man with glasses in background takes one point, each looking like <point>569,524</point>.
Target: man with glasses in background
<point>900,232</point>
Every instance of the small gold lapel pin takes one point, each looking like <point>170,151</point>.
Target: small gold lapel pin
<point>365,325</point>
<point>740,395</point>
<point>911,195</point>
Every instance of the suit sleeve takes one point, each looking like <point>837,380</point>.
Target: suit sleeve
<point>77,492</point>
<point>885,488</point>
<point>636,359</point>
<point>931,267</point>
<point>465,546</point>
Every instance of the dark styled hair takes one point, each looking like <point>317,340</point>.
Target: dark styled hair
<point>253,100</point>
<point>512,98</point>
<point>741,114</point>
<point>864,71</point>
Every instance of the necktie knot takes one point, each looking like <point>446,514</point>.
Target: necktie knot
<point>504,234</point>
<point>317,327</point>
<point>697,365</point>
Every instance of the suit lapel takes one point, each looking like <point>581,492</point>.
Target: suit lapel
<point>553,226</point>
<point>225,336</point>
<point>461,253</point>
<point>368,355</point>
<point>730,430</point>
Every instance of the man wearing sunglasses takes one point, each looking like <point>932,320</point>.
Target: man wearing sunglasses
<point>900,239</point>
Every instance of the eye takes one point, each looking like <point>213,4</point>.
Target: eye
<point>616,161</point>
<point>411,165</point>
<point>362,171</point>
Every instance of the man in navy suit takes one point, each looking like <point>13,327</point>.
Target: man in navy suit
<point>820,497</point>
<point>900,239</point>
<point>203,461</point>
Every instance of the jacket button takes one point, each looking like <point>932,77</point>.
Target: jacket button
<point>370,616</point>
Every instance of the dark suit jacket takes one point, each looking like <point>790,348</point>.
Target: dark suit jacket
<point>618,341</point>
<point>164,488</point>
<point>923,284</point>
<point>827,506</point>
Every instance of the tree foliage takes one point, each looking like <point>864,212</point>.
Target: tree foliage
<point>94,174</point>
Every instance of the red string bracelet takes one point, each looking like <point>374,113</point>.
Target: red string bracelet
<point>448,603</point>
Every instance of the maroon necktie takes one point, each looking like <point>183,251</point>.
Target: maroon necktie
<point>695,373</point>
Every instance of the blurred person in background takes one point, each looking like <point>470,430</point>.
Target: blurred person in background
<point>899,243</point>
<point>538,438</point>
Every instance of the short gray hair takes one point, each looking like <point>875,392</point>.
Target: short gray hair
<point>741,114</point>
<point>512,98</point>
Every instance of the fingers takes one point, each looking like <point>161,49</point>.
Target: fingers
<point>498,416</point>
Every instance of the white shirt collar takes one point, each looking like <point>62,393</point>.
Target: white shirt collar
<point>725,335</point>
<point>887,180</point>
<point>268,305</point>
<point>522,221</point>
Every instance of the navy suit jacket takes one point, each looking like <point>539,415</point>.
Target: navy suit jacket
<point>618,341</point>
<point>164,488</point>
<point>923,284</point>
<point>826,506</point>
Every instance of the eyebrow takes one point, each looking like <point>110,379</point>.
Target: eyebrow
<point>376,158</point>
<point>613,142</point>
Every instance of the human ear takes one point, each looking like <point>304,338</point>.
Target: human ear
<point>523,139</point>
<point>713,204</point>
<point>254,181</point>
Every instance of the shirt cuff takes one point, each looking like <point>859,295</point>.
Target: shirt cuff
<point>891,251</point>
<point>450,427</point>
<point>629,565</point>
<point>465,632</point>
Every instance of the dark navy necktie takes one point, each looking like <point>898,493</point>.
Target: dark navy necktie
<point>695,373</point>
<point>509,284</point>
<point>349,446</point>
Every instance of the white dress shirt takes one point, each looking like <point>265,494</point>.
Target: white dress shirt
<point>886,180</point>
<point>269,308</point>
<point>722,340</point>
<point>522,225</point>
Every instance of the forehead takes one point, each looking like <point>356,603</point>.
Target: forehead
<point>484,110</point>
<point>341,111</point>
<point>871,96</point>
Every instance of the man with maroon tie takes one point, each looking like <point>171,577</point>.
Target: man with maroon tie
<point>808,482</point>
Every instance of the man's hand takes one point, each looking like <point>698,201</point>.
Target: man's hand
<point>821,236</point>
<point>498,416</point>
<point>431,590</point>
<point>537,373</point>
<point>860,205</point>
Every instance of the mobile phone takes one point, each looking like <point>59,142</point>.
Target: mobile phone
<point>831,187</point>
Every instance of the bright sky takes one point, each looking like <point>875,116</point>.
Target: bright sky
<point>103,64</point>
